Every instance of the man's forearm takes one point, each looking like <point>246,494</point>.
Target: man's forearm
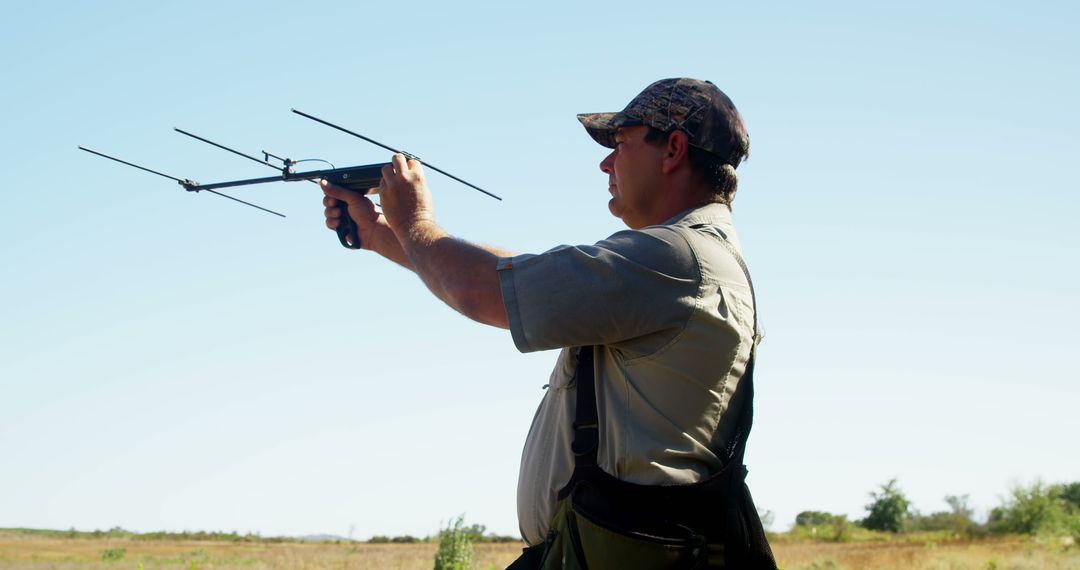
<point>461,274</point>
<point>381,240</point>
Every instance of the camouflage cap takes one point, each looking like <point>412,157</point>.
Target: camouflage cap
<point>698,108</point>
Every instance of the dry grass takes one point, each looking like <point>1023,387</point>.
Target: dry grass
<point>996,554</point>
<point>39,552</point>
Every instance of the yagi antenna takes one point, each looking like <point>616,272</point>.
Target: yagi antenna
<point>188,185</point>
<point>362,178</point>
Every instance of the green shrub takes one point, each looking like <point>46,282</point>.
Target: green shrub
<point>404,539</point>
<point>816,518</point>
<point>1039,509</point>
<point>889,509</point>
<point>820,525</point>
<point>113,554</point>
<point>1070,494</point>
<point>958,520</point>
<point>455,547</point>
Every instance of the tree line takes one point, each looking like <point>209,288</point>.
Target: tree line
<point>1038,509</point>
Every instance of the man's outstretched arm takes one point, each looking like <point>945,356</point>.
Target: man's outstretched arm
<point>461,274</point>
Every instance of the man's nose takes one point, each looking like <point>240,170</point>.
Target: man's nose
<point>608,163</point>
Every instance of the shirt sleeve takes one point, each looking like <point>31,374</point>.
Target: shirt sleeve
<point>634,283</point>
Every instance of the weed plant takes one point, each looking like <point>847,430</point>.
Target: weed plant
<point>455,547</point>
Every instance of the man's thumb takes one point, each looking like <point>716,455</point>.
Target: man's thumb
<point>338,192</point>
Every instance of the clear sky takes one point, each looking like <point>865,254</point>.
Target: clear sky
<point>177,361</point>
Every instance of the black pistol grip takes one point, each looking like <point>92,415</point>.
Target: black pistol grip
<point>346,231</point>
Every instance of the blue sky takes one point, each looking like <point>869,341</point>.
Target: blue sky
<point>176,361</point>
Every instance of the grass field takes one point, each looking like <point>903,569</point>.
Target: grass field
<point>40,551</point>
<point>990,554</point>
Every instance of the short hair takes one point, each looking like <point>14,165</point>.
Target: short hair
<point>717,172</point>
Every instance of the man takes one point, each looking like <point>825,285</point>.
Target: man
<point>665,307</point>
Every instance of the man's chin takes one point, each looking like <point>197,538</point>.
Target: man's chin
<point>613,207</point>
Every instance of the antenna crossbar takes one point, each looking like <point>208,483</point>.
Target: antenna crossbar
<point>103,155</point>
<point>187,184</point>
<point>243,202</point>
<point>222,147</point>
<point>392,149</point>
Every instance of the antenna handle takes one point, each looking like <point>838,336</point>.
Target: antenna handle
<point>347,233</point>
<point>359,178</point>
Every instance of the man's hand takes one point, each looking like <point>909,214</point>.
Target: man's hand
<point>371,226</point>
<point>361,210</point>
<point>404,195</point>
<point>459,273</point>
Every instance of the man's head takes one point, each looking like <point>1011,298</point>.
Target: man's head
<point>692,122</point>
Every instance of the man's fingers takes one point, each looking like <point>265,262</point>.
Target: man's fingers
<point>415,166</point>
<point>402,168</point>
<point>360,208</point>
<point>339,193</point>
<point>401,165</point>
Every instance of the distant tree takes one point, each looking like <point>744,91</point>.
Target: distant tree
<point>824,526</point>
<point>959,506</point>
<point>889,509</point>
<point>406,539</point>
<point>1039,509</point>
<point>475,531</point>
<point>959,519</point>
<point>1070,493</point>
<point>815,518</point>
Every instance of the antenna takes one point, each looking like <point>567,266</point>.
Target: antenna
<point>356,178</point>
<point>223,147</point>
<point>188,185</point>
<point>392,149</point>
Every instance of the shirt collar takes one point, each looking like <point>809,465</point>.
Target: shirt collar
<point>713,213</point>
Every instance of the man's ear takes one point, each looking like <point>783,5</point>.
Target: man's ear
<point>677,151</point>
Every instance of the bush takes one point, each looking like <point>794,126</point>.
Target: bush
<point>1070,494</point>
<point>113,554</point>
<point>455,547</point>
<point>957,520</point>
<point>889,509</point>
<point>823,526</point>
<point>815,518</point>
<point>1039,509</point>
<point>404,539</point>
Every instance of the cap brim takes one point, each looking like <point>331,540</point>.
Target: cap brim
<point>602,126</point>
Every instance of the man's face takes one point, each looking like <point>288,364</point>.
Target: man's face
<point>634,177</point>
